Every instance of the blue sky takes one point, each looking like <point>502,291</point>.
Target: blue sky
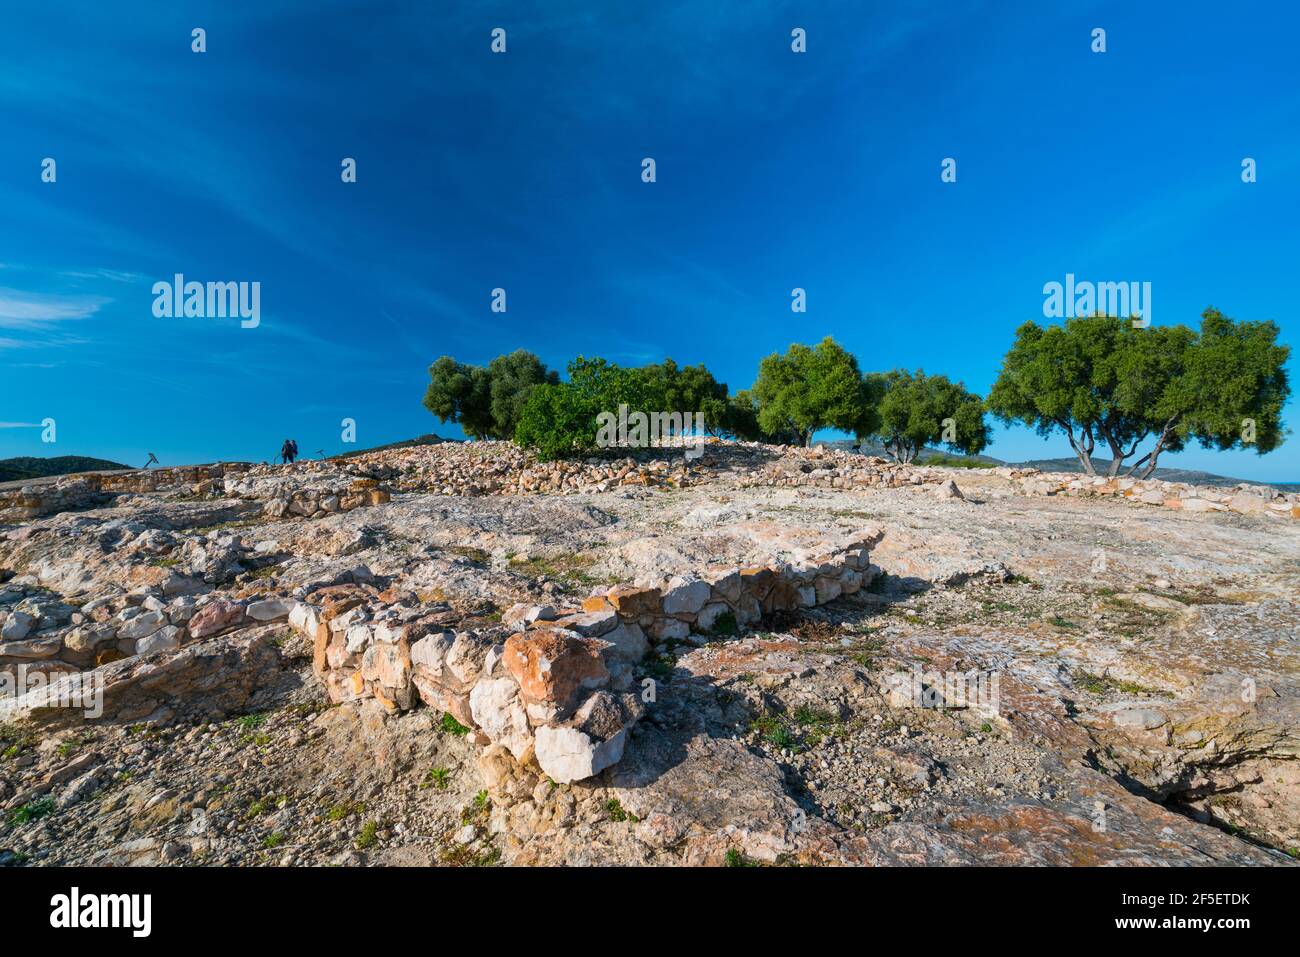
<point>522,171</point>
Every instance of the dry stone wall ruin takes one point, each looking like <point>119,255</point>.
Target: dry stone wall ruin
<point>560,688</point>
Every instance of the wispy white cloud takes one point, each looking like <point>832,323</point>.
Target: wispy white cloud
<point>20,425</point>
<point>113,275</point>
<point>34,311</point>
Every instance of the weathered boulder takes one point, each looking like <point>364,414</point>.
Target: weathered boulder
<point>553,667</point>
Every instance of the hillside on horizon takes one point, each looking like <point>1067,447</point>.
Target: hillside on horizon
<point>30,467</point>
<point>1063,464</point>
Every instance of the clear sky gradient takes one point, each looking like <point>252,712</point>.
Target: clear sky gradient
<point>522,171</point>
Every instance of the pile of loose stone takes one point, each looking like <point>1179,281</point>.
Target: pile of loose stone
<point>555,685</point>
<point>42,631</point>
<point>1244,498</point>
<point>502,468</point>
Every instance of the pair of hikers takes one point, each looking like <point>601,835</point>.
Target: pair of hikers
<point>288,451</point>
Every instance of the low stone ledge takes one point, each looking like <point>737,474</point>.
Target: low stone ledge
<point>556,686</point>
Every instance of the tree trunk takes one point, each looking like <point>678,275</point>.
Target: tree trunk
<point>1082,447</point>
<point>1151,457</point>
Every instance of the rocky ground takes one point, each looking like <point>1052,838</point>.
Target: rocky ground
<point>1146,707</point>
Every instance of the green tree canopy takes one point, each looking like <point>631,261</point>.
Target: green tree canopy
<point>560,419</point>
<point>810,388</point>
<point>686,389</point>
<point>914,410</point>
<point>485,402</point>
<point>512,379</point>
<point>1101,379</point>
<point>460,393</point>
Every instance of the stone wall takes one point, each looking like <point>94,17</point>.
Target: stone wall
<point>1245,499</point>
<point>554,686</point>
<point>33,501</point>
<point>314,500</point>
<point>301,494</point>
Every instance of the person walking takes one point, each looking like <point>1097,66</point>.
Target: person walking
<point>293,450</point>
<point>286,452</point>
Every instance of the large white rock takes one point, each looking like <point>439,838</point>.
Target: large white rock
<point>629,641</point>
<point>164,639</point>
<point>17,626</point>
<point>947,489</point>
<point>358,638</point>
<point>497,710</point>
<point>142,625</point>
<point>269,609</point>
<point>430,652</point>
<point>304,618</point>
<point>685,596</point>
<point>568,755</point>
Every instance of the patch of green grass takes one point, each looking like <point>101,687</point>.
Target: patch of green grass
<point>1103,684</point>
<point>476,555</point>
<point>866,652</point>
<point>986,727</point>
<point>991,606</point>
<point>273,840</point>
<point>453,727</point>
<point>1063,623</point>
<point>340,811</point>
<point>261,739</point>
<point>14,740</point>
<point>660,667</point>
<point>263,805</point>
<point>725,624</point>
<point>368,836</point>
<point>774,732</point>
<point>736,858</point>
<point>437,778</point>
<point>570,570</point>
<point>616,813</point>
<point>250,721</point>
<point>165,562</point>
<point>31,811</point>
<point>815,723</point>
<point>75,743</point>
<point>477,810</point>
<point>462,855</point>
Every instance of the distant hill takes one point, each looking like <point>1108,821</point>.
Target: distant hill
<point>29,467</point>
